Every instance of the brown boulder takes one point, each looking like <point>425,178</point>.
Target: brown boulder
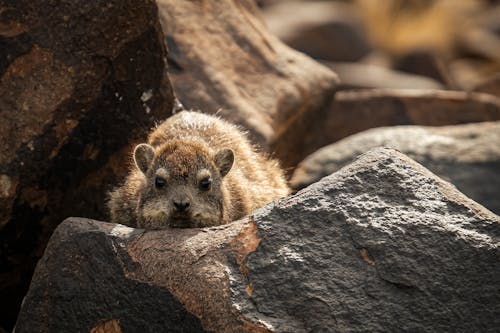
<point>79,81</point>
<point>354,111</point>
<point>223,59</point>
<point>382,245</point>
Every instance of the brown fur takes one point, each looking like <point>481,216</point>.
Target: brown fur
<point>186,150</point>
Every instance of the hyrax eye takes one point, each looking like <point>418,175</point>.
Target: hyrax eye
<point>205,184</point>
<point>160,182</point>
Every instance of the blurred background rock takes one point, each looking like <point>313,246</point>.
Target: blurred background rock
<point>450,43</point>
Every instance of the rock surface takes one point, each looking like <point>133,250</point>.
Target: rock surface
<point>223,59</point>
<point>382,245</point>
<point>353,111</point>
<point>79,81</point>
<point>468,156</point>
<point>86,277</point>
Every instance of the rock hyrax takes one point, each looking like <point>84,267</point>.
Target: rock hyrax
<point>195,171</point>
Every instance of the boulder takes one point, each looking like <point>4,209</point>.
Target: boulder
<point>381,245</point>
<point>223,59</point>
<point>355,111</point>
<point>466,155</point>
<point>79,82</point>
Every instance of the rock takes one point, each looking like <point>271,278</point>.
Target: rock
<point>93,282</point>
<point>98,272</point>
<point>356,75</point>
<point>356,111</point>
<point>79,82</point>
<point>382,245</point>
<point>223,59</point>
<point>323,30</point>
<point>466,155</point>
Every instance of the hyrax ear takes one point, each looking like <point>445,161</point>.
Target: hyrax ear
<point>143,156</point>
<point>224,159</point>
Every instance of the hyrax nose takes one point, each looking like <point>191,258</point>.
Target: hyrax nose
<point>181,205</point>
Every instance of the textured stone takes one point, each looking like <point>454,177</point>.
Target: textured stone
<point>466,155</point>
<point>85,281</point>
<point>72,74</point>
<point>223,59</point>
<point>381,245</point>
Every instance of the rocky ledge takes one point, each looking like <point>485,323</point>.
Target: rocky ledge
<point>381,245</point>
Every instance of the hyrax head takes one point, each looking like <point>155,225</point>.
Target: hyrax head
<point>184,184</point>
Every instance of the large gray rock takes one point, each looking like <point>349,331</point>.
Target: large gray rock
<point>466,155</point>
<point>381,246</point>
